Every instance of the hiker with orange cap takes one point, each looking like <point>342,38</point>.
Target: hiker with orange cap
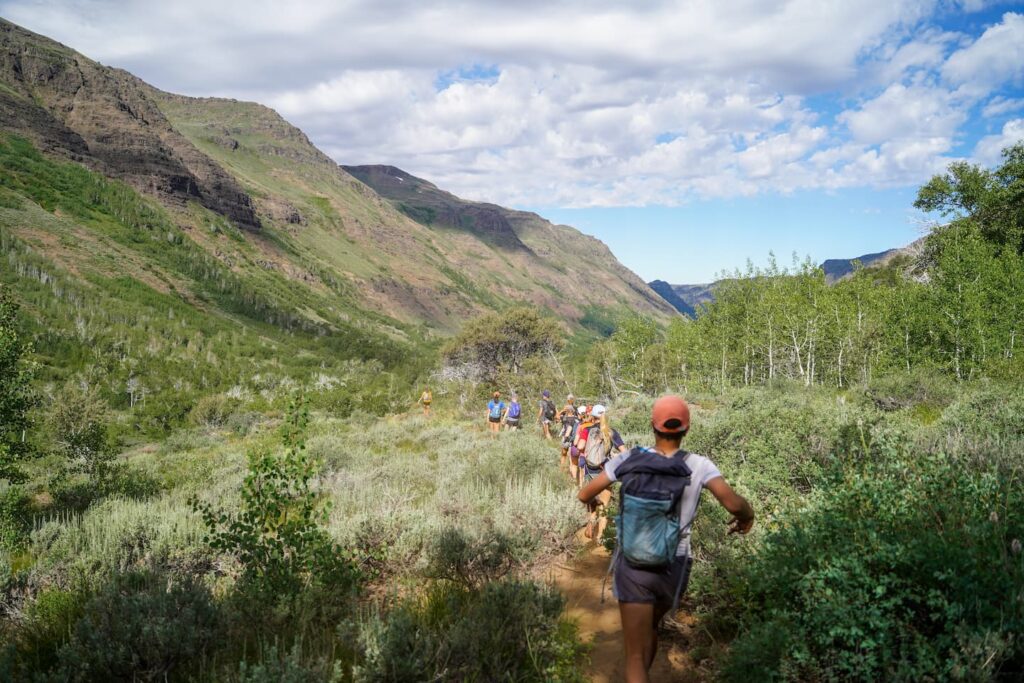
<point>659,491</point>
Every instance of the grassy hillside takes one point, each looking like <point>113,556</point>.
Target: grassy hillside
<point>573,270</point>
<point>116,294</point>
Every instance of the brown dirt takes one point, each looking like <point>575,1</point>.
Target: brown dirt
<point>599,624</point>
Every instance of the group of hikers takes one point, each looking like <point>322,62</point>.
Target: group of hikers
<point>659,490</point>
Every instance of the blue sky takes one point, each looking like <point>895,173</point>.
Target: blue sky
<point>694,243</point>
<point>689,135</point>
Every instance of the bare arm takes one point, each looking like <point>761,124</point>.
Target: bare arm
<point>737,505</point>
<point>594,487</point>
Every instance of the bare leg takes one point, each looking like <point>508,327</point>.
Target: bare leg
<point>640,638</point>
<point>603,498</point>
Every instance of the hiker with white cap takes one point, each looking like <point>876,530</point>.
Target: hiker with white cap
<point>658,497</point>
<point>597,444</point>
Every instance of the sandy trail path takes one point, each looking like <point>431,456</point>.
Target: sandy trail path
<point>599,623</point>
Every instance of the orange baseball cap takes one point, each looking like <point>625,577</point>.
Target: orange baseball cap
<point>670,415</point>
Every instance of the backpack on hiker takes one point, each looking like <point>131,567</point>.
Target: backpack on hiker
<point>598,448</point>
<point>549,409</point>
<point>514,410</point>
<point>647,525</point>
<point>496,408</point>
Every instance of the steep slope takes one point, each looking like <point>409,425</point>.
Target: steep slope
<point>73,106</point>
<point>837,269</point>
<point>666,292</point>
<point>247,188</point>
<point>578,269</point>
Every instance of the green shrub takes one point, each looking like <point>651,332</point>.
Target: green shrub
<point>142,627</point>
<point>507,630</point>
<point>47,626</point>
<point>15,519</point>
<point>288,667</point>
<point>278,534</point>
<point>213,411</point>
<point>471,562</point>
<point>906,569</point>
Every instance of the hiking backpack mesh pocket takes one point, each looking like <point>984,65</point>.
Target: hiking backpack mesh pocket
<point>647,526</point>
<point>648,531</point>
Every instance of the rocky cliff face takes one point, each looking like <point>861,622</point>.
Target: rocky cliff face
<point>104,117</point>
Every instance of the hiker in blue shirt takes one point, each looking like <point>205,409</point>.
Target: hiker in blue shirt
<point>512,414</point>
<point>652,558</point>
<point>495,409</point>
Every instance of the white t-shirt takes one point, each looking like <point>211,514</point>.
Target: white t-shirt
<point>703,471</point>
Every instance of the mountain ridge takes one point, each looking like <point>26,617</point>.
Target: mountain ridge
<point>304,222</point>
<point>688,298</point>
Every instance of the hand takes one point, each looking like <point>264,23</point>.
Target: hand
<point>740,526</point>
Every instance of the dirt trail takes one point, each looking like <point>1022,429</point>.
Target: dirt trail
<point>599,623</point>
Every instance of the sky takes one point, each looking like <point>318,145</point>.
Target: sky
<point>689,135</point>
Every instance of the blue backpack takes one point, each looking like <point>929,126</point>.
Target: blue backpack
<point>496,408</point>
<point>513,410</point>
<point>647,525</point>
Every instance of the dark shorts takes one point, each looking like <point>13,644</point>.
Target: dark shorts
<point>655,587</point>
<point>494,420</point>
<point>512,421</point>
<point>588,471</point>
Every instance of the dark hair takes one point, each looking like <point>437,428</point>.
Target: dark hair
<point>676,436</point>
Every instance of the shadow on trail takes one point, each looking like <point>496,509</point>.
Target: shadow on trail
<point>599,624</point>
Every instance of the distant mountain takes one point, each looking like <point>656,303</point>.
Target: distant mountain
<point>687,298</point>
<point>377,249</point>
<point>837,269</point>
<point>668,293</point>
<point>557,258</point>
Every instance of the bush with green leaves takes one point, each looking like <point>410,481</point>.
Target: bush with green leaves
<point>142,627</point>
<point>505,630</point>
<point>16,394</point>
<point>905,569</point>
<point>213,411</point>
<point>278,534</point>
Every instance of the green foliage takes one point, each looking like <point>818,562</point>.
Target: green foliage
<point>151,319</point>
<point>16,395</point>
<point>15,517</point>
<point>278,533</point>
<point>142,628</point>
<point>89,467</point>
<point>213,411</point>
<point>991,200</point>
<point>906,570</point>
<point>498,343</point>
<point>506,630</point>
<point>472,562</point>
<point>287,667</point>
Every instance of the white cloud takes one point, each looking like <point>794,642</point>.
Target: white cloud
<point>905,112</point>
<point>993,59</point>
<point>582,102</point>
<point>1000,105</point>
<point>989,149</point>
